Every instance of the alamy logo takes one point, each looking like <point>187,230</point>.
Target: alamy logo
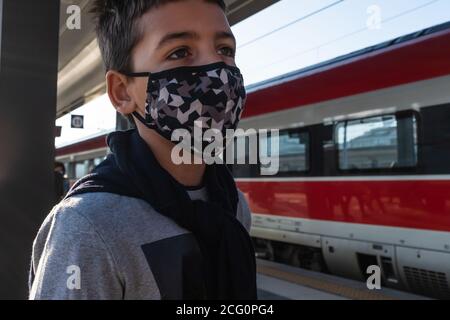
<point>74,279</point>
<point>374,280</point>
<point>242,147</point>
<point>73,22</point>
<point>374,19</point>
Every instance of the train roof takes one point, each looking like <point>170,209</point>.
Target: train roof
<point>359,53</point>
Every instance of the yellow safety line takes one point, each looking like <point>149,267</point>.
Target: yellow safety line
<point>323,285</point>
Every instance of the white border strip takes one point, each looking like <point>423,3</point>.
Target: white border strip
<point>444,177</point>
<point>82,153</point>
<point>436,240</point>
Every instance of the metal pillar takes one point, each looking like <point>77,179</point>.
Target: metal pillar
<point>28,79</point>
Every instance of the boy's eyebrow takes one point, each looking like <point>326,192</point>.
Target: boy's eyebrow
<point>226,35</point>
<point>192,35</point>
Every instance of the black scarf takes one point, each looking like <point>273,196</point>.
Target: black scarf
<point>132,170</point>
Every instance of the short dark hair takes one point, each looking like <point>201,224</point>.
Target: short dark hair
<point>117,29</point>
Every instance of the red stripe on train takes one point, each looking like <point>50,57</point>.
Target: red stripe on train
<point>421,59</point>
<point>409,204</point>
<point>86,145</point>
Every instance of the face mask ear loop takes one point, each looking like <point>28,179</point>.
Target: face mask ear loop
<point>140,118</point>
<point>138,75</point>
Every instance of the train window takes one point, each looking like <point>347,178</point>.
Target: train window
<point>382,142</point>
<point>245,156</point>
<point>97,161</point>
<point>92,163</point>
<point>80,169</point>
<point>435,146</point>
<point>292,149</point>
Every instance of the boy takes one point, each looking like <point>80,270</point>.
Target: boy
<point>140,226</point>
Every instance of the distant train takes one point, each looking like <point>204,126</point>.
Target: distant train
<point>364,167</point>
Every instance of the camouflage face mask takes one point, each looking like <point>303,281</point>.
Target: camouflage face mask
<point>201,97</point>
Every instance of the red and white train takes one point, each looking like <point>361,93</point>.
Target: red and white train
<point>364,176</point>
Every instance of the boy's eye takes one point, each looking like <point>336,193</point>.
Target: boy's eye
<point>184,53</point>
<point>227,51</point>
<point>179,54</point>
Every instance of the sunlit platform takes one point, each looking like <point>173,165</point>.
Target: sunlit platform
<point>281,282</point>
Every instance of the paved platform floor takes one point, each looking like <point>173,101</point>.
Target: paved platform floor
<point>277,281</point>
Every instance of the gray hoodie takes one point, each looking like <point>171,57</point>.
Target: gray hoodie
<point>107,246</point>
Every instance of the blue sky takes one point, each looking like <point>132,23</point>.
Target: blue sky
<point>293,34</point>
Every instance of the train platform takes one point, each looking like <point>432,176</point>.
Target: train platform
<point>282,282</point>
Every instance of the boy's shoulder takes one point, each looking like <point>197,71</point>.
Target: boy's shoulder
<point>95,207</point>
<point>104,214</point>
<point>99,206</point>
<point>104,211</point>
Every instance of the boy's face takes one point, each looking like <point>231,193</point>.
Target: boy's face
<point>180,33</point>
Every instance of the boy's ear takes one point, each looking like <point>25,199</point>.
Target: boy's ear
<point>118,92</point>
